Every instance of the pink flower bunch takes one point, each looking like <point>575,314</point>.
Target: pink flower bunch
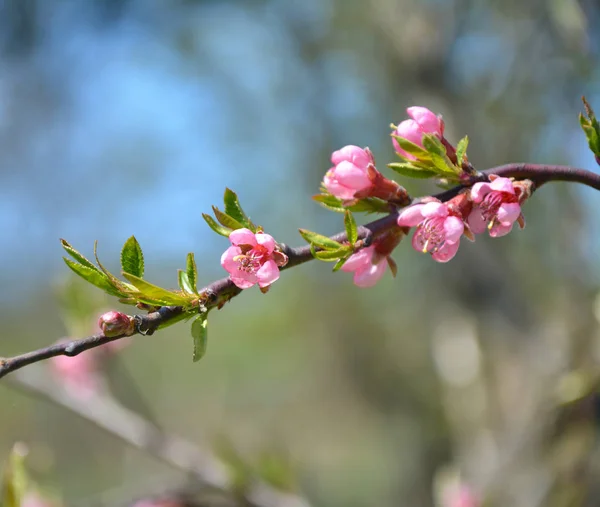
<point>497,206</point>
<point>80,374</point>
<point>354,176</point>
<point>252,258</point>
<point>422,121</point>
<point>439,227</point>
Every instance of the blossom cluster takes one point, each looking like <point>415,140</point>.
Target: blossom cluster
<point>490,204</point>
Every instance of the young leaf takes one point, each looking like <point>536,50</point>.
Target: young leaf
<point>184,282</point>
<point>200,336</point>
<point>411,148</point>
<point>14,481</point>
<point>443,164</point>
<point>433,145</point>
<point>115,282</point>
<point>77,256</point>
<point>350,226</point>
<point>155,293</point>
<point>332,255</point>
<point>93,276</point>
<point>370,205</point>
<point>219,229</point>
<point>234,210</point>
<point>461,149</point>
<point>411,171</point>
<point>227,220</point>
<point>132,258</point>
<point>192,272</point>
<point>319,241</point>
<point>339,264</point>
<point>330,202</point>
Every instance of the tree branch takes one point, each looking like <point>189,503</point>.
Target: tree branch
<point>106,413</point>
<point>221,291</point>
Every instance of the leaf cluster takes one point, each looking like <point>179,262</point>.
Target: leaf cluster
<point>590,127</point>
<point>232,218</point>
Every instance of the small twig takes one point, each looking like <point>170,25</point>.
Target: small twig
<point>221,291</point>
<point>106,413</point>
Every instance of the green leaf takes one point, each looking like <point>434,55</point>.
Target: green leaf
<point>319,240</point>
<point>411,171</point>
<point>443,164</point>
<point>234,210</point>
<point>330,202</point>
<point>132,258</point>
<point>339,264</point>
<point>184,282</point>
<point>200,336</point>
<point>332,255</point>
<point>433,145</point>
<point>461,149</point>
<point>156,294</point>
<point>93,276</point>
<point>219,229</point>
<point>115,282</point>
<point>350,226</point>
<point>77,256</point>
<point>14,480</point>
<point>411,148</point>
<point>192,272</point>
<point>226,220</point>
<point>370,205</point>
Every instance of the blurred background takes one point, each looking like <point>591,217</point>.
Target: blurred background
<point>121,117</point>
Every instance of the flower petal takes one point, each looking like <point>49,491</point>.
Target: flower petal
<point>242,237</point>
<point>429,122</point>
<point>411,131</point>
<point>435,209</point>
<point>351,176</point>
<point>499,229</point>
<point>411,216</point>
<point>454,228</point>
<point>476,221</point>
<point>243,279</point>
<point>353,154</point>
<point>503,185</point>
<point>227,259</point>
<point>265,240</point>
<point>267,273</point>
<point>508,212</point>
<point>479,191</point>
<point>446,253</point>
<point>359,259</point>
<point>335,188</point>
<point>371,275</point>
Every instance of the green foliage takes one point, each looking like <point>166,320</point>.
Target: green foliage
<point>132,258</point>
<point>200,336</point>
<point>412,148</point>
<point>350,226</point>
<point>590,127</point>
<point>367,205</point>
<point>329,250</point>
<point>14,480</point>
<point>411,170</point>
<point>461,150</point>
<point>192,272</point>
<point>232,218</point>
<point>219,229</point>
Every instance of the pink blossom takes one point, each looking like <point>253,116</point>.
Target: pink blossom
<point>460,496</point>
<point>422,121</point>
<point>252,258</point>
<point>496,207</point>
<point>368,266</point>
<point>32,499</point>
<point>438,232</point>
<point>114,323</point>
<point>350,172</point>
<point>78,374</point>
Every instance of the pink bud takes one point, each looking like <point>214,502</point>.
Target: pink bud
<point>350,172</point>
<point>114,324</point>
<point>252,259</point>
<point>422,121</point>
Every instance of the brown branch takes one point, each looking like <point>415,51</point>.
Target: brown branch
<point>221,291</point>
<point>106,413</point>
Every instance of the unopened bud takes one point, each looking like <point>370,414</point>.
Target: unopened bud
<point>116,324</point>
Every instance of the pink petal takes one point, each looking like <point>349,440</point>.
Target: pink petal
<point>499,229</point>
<point>351,176</point>
<point>418,241</point>
<point>411,216</point>
<point>227,258</point>
<point>267,273</point>
<point>243,279</point>
<point>335,188</point>
<point>429,122</point>
<point>265,240</point>
<point>508,212</point>
<point>242,237</point>
<point>371,275</point>
<point>410,130</point>
<point>434,209</point>
<point>359,260</point>
<point>453,227</point>
<point>479,191</point>
<point>503,185</point>
<point>447,252</point>
<point>352,154</point>
<point>476,221</point>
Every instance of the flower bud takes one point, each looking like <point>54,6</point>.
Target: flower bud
<point>114,324</point>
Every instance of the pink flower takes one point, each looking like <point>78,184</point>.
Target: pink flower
<point>422,121</point>
<point>114,323</point>
<point>78,374</point>
<point>252,258</point>
<point>438,232</point>
<point>34,500</point>
<point>350,172</point>
<point>496,207</point>
<point>368,266</point>
<point>460,496</point>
